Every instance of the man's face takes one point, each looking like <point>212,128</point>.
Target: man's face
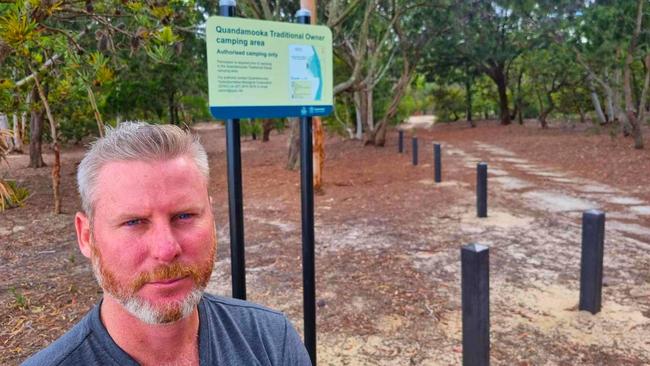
<point>152,240</point>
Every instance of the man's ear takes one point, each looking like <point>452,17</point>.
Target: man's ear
<point>82,224</point>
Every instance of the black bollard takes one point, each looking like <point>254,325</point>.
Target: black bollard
<point>235,196</point>
<point>437,163</point>
<point>400,142</point>
<point>591,263</point>
<point>481,190</point>
<point>475,287</point>
<point>415,150</point>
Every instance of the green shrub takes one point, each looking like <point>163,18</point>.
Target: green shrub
<point>11,195</point>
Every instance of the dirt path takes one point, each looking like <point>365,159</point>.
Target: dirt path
<point>388,247</point>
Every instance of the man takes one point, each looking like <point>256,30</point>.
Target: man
<point>149,232</point>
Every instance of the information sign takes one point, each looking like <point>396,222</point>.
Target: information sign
<point>265,69</point>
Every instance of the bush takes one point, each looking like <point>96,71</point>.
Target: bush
<point>11,195</point>
<point>196,107</point>
<point>449,103</point>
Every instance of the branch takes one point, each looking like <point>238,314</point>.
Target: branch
<point>335,21</point>
<point>69,37</point>
<point>361,46</point>
<point>267,9</point>
<point>46,64</point>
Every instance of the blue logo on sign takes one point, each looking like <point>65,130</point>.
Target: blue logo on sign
<point>303,111</point>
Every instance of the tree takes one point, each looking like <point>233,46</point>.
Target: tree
<point>551,69</point>
<point>612,55</point>
<point>40,39</point>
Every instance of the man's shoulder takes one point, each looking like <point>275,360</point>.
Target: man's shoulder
<point>61,350</point>
<point>242,309</point>
<point>253,322</point>
<point>246,333</point>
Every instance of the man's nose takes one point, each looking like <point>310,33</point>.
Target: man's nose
<point>164,245</point>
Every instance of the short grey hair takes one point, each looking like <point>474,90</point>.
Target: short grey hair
<point>136,141</point>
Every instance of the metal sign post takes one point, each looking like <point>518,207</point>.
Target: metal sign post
<point>265,69</point>
<point>235,195</point>
<point>303,16</point>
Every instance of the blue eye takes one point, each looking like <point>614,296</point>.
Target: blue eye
<point>184,216</point>
<point>133,222</point>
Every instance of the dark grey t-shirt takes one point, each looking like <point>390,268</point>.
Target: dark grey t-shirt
<point>231,332</point>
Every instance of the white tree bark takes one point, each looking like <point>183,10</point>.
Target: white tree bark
<point>618,111</point>
<point>4,125</point>
<point>18,137</point>
<point>23,123</point>
<point>596,102</point>
<point>357,108</point>
<point>371,116</point>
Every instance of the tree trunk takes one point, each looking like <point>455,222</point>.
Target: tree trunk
<point>581,112</point>
<point>519,101</point>
<point>398,93</point>
<point>609,104</point>
<point>359,131</point>
<point>318,153</point>
<point>595,101</point>
<point>542,118</point>
<point>267,127</point>
<point>546,111</point>
<point>173,117</point>
<point>251,123</point>
<point>56,167</point>
<point>360,111</point>
<point>644,92</point>
<point>18,137</point>
<point>4,125</point>
<point>36,134</point>
<point>98,116</point>
<point>468,101</point>
<point>23,124</point>
<point>380,136</point>
<point>499,78</point>
<point>369,131</point>
<point>293,160</point>
<point>370,116</point>
<point>627,82</point>
<point>619,113</point>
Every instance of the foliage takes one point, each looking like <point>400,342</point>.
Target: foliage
<point>196,107</point>
<point>146,60</point>
<point>11,195</point>
<point>449,102</point>
<point>21,301</point>
<point>418,99</point>
<point>250,127</point>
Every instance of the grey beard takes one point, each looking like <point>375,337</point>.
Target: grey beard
<point>144,311</point>
<point>148,314</point>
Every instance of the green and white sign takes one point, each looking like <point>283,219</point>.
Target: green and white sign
<point>259,68</point>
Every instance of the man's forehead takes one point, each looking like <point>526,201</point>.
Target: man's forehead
<point>137,169</point>
<point>133,183</point>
